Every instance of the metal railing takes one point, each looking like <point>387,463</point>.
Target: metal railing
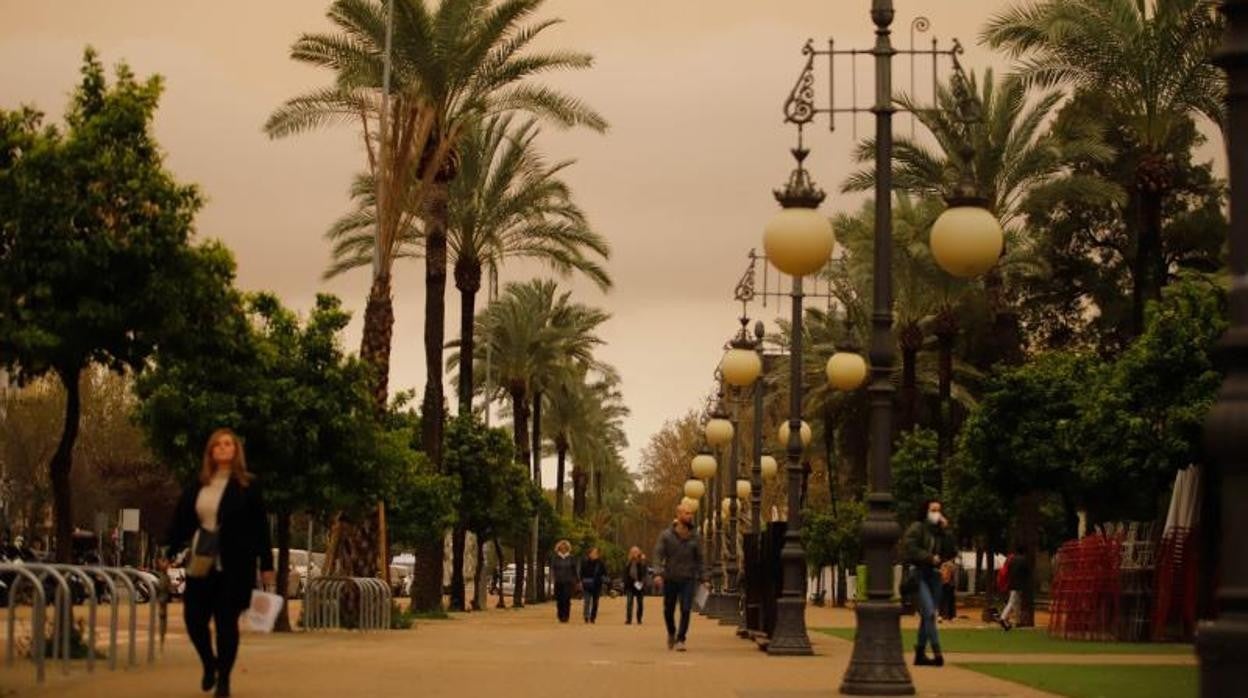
<point>325,595</point>
<point>113,579</point>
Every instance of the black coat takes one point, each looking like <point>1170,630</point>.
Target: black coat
<point>244,536</point>
<point>593,572</point>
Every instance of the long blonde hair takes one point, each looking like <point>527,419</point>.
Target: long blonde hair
<point>238,467</point>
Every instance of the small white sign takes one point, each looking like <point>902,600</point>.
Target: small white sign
<point>130,520</point>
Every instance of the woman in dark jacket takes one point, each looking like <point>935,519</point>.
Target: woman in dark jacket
<point>927,544</point>
<point>635,574</point>
<point>593,572</point>
<point>563,569</point>
<point>223,505</point>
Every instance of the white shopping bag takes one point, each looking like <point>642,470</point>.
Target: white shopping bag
<point>261,615</point>
<point>700,596</point>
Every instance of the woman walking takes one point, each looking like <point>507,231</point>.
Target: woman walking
<point>563,571</point>
<point>928,544</point>
<point>223,519</point>
<point>635,584</point>
<point>593,572</point>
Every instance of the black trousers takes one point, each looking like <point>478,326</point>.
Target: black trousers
<point>563,600</point>
<point>682,592</point>
<point>640,597</point>
<point>206,599</point>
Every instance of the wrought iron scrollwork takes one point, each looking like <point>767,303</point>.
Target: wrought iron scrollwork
<point>799,108</point>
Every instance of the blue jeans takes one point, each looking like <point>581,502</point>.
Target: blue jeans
<point>589,594</point>
<point>674,591</point>
<point>929,602</point>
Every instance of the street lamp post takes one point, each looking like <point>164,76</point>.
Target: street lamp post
<point>965,240</point>
<point>798,242</point>
<point>720,433</point>
<point>1222,643</point>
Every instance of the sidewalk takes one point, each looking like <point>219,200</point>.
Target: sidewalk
<point>507,653</point>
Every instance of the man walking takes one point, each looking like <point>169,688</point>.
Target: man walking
<point>678,570</point>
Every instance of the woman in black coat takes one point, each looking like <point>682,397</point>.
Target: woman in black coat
<point>593,573</point>
<point>223,504</point>
<point>635,572</point>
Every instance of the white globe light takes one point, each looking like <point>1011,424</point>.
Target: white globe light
<point>769,466</point>
<point>744,489</point>
<point>690,504</point>
<point>704,466</point>
<point>967,241</point>
<point>694,488</point>
<point>798,241</point>
<point>741,367</point>
<point>806,434</point>
<point>847,370</point>
<point>726,507</point>
<point>718,432</point>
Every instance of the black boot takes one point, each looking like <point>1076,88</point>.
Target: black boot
<point>223,686</point>
<point>920,657</point>
<point>938,659</point>
<point>209,680</point>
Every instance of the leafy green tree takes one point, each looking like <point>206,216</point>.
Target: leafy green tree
<point>1153,61</point>
<point>1143,419</point>
<point>476,456</point>
<point>1089,248</point>
<point>916,473</point>
<point>97,264</point>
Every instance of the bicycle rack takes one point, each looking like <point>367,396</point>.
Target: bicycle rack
<point>324,603</point>
<point>37,617</point>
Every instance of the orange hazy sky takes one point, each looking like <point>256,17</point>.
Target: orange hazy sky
<point>681,185</point>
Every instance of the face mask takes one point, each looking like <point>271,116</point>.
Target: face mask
<point>933,517</point>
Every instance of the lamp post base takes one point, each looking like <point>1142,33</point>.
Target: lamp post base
<point>1222,645</point>
<point>789,639</point>
<point>877,667</point>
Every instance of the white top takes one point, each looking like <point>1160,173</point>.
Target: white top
<point>210,498</point>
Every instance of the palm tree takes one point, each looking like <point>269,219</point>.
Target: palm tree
<point>529,332</point>
<point>1015,158</point>
<point>453,68</point>
<point>505,202</point>
<point>1153,60</point>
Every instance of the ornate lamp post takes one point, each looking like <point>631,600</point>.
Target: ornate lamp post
<point>720,432</point>
<point>1223,642</point>
<point>740,368</point>
<point>877,667</point>
<point>798,241</point>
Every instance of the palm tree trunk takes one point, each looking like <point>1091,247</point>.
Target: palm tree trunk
<point>578,491</point>
<point>1149,265</point>
<point>459,539</point>
<point>433,414</point>
<point>427,577</point>
<point>478,581</point>
<point>539,570</point>
<point>63,461</point>
<point>378,334</point>
<point>498,553</point>
<point>468,281</point>
<point>561,455</point>
<point>283,569</point>
<point>946,330</point>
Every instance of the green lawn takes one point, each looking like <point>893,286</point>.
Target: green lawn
<point>1022,641</point>
<point>1098,681</point>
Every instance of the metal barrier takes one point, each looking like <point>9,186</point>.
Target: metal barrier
<point>63,610</point>
<point>38,605</point>
<point>323,608</point>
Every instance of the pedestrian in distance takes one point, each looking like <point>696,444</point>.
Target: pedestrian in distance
<point>949,589</point>
<point>635,573</point>
<point>927,544</point>
<point>563,571</point>
<point>164,593</point>
<point>678,571</point>
<point>1018,578</point>
<point>222,517</point>
<point>593,574</point>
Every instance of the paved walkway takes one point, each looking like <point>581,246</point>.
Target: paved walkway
<point>504,653</point>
